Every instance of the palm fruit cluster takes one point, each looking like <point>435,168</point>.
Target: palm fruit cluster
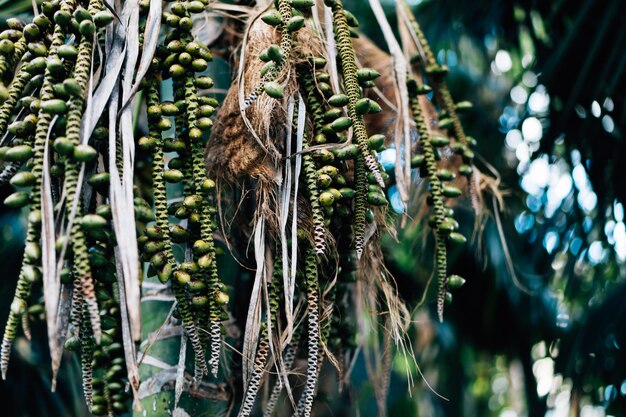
<point>343,185</point>
<point>177,130</point>
<point>46,67</point>
<point>64,178</point>
<point>433,148</point>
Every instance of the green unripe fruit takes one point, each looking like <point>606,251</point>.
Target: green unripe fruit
<point>54,106</point>
<point>272,18</point>
<point>18,307</point>
<point>167,108</point>
<point>199,301</point>
<point>165,273</point>
<point>445,174</point>
<point>327,198</point>
<point>104,210</point>
<point>351,19</point>
<point>338,100</point>
<point>196,286</point>
<point>457,238</point>
<point>376,142</point>
<point>146,143</point>
<point>182,277</point>
<point>363,106</point>
<point>376,198</point>
<point>328,170</point>
<point>192,202</point>
<point>448,298</point>
<point>347,152</point>
<point>67,52</point>
<point>36,65</point>
<point>103,18</point>
<point>201,247</point>
<point>222,298</point>
<point>23,179</point>
<point>275,53</point>
<point>333,114</point>
<point>417,161</point>
<point>323,155</point>
<point>455,282</point>
<point>199,64</point>
<point>367,74</point>
<point>466,170</point>
<point>439,141</point>
<point>295,23</point>
<point>34,217</point>
<point>173,176</point>
<point>31,273</point>
<point>347,193</point>
<point>99,180</point>
<point>81,14</point>
<point>208,185</point>
<point>274,90</point>
<point>324,181</point>
<point>93,222</point>
<point>6,47</point>
<point>468,156</point>
<point>85,153</point>
<point>177,70</point>
<point>72,87</point>
<point>341,124</point>
<point>451,191</point>
<point>446,123</point>
<point>436,70</point>
<point>31,32</point>
<point>19,153</point>
<point>72,344</point>
<point>204,82</point>
<point>267,67</point>
<point>185,23</point>
<point>32,252</point>
<point>302,4</point>
<point>463,105</point>
<point>448,225</point>
<point>87,28</point>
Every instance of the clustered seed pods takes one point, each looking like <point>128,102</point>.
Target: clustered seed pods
<point>66,168</point>
<point>201,296</point>
<point>40,119</point>
<point>441,220</point>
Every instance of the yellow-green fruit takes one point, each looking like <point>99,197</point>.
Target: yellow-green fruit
<point>327,198</point>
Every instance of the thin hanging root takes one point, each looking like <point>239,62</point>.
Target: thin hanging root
<point>263,348</point>
<point>78,303</point>
<point>351,84</point>
<point>86,361</point>
<point>360,200</point>
<point>288,358</point>
<point>79,246</point>
<point>305,404</point>
<point>257,374</point>
<point>439,208</point>
<point>309,168</point>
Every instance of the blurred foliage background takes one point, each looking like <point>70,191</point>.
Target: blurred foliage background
<point>538,328</point>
